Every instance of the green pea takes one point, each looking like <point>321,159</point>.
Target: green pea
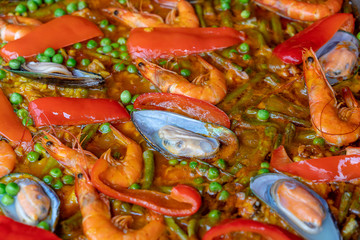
<point>125,97</point>
<point>44,225</point>
<point>85,62</point>
<point>199,180</point>
<point>22,113</point>
<point>121,40</point>
<point>221,163</point>
<point>50,52</point>
<point>130,108</point>
<point>39,148</point>
<point>334,149</point>
<point>183,163</point>
<point>124,55</point>
<point>133,99</point>
<point>173,162</point>
<point>16,98</point>
<point>107,49</point>
<point>99,50</point>
<point>7,200</point>
<point>131,68</point>
<point>203,168</point>
<point>185,72</point>
<point>2,74</point>
<point>68,180</point>
<point>215,187</point>
<point>105,42</point>
<point>225,6</point>
<point>245,14</point>
<point>82,5</point>
<point>123,48</point>
<point>77,45</point>
<point>115,45</point>
<point>57,58</point>
<point>91,44</point>
<point>135,186</point>
<point>223,195</point>
<point>56,172</point>
<point>104,23</point>
<point>72,7</point>
<point>59,12</point>
<point>244,47</point>
<point>213,173</point>
<point>21,59</point>
<point>162,62</point>
<point>48,179</point>
<point>48,2</point>
<point>111,28</point>
<point>115,54</point>
<point>71,62</point>
<point>27,121</point>
<point>263,170</point>
<point>215,214</point>
<point>38,2</point>
<point>14,64</point>
<point>12,189</point>
<point>358,35</point>
<point>193,164</point>
<point>32,6</point>
<point>33,156</point>
<point>264,165</point>
<point>319,141</point>
<point>21,8</point>
<point>246,57</point>
<point>57,184</point>
<point>2,188</point>
<point>43,58</point>
<point>119,67</point>
<point>105,128</point>
<point>263,114</point>
<point>122,1</point>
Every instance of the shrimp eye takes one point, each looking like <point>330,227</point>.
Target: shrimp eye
<point>141,64</point>
<point>80,176</point>
<point>310,59</point>
<point>49,143</point>
<point>116,12</point>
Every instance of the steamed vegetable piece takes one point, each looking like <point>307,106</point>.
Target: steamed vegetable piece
<point>11,126</point>
<point>245,225</point>
<point>150,43</point>
<point>182,104</point>
<point>75,111</point>
<point>313,37</point>
<point>59,32</point>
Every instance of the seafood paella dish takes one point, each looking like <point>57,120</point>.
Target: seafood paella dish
<point>176,119</point>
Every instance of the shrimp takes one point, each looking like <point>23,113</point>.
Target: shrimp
<point>15,27</point>
<point>97,223</point>
<point>186,17</point>
<point>336,125</point>
<point>302,10</point>
<point>212,90</point>
<point>7,158</point>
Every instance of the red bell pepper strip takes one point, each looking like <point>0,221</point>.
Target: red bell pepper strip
<point>328,169</point>
<point>75,111</point>
<point>189,106</point>
<point>150,43</point>
<point>12,230</point>
<point>314,36</point>
<point>268,231</point>
<point>59,32</point>
<point>182,201</point>
<point>11,126</point>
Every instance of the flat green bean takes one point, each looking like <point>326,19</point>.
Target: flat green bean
<point>170,222</point>
<point>149,169</point>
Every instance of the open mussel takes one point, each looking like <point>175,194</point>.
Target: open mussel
<point>339,56</point>
<point>35,201</point>
<point>179,136</point>
<point>58,74</point>
<point>298,205</point>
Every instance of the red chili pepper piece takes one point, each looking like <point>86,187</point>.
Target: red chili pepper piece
<point>189,106</point>
<point>314,36</point>
<point>183,200</point>
<point>75,111</point>
<point>57,33</point>
<point>328,169</point>
<point>11,126</point>
<point>150,43</point>
<point>12,230</point>
<point>268,231</point>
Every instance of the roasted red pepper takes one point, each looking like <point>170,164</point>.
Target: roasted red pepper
<point>57,33</point>
<point>328,169</point>
<point>150,43</point>
<point>183,200</point>
<point>314,36</point>
<point>12,230</point>
<point>75,111</point>
<point>268,231</point>
<point>191,107</point>
<point>11,126</point>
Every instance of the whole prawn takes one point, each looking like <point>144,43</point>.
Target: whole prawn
<point>7,159</point>
<point>14,27</point>
<point>302,10</point>
<point>186,17</point>
<point>338,126</point>
<point>212,90</point>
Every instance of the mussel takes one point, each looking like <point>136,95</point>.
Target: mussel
<point>35,202</point>
<point>58,74</point>
<point>339,56</point>
<point>179,136</point>
<point>298,205</point>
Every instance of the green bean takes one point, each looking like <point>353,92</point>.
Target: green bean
<point>87,133</point>
<point>278,141</point>
<point>191,227</point>
<point>350,227</point>
<point>297,26</point>
<point>264,29</point>
<point>236,167</point>
<point>71,227</point>
<point>170,222</point>
<point>290,131</point>
<point>165,189</point>
<point>225,18</point>
<point>347,6</point>
<point>137,209</point>
<point>279,104</point>
<point>355,204</point>
<point>273,80</point>
<point>199,13</point>
<point>271,132</point>
<point>105,58</point>
<point>306,136</point>
<point>259,38</point>
<point>236,93</point>
<point>344,206</point>
<point>226,63</point>
<point>208,9</point>
<point>290,29</point>
<point>276,27</point>
<point>149,169</point>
